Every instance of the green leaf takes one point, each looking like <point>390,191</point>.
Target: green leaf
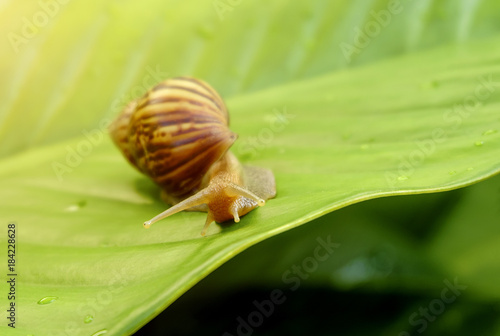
<point>82,239</point>
<point>417,123</point>
<point>79,67</point>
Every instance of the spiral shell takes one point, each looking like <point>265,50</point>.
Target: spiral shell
<point>174,133</point>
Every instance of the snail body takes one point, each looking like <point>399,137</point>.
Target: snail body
<point>178,135</point>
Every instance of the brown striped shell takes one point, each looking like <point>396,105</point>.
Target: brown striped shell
<point>174,133</point>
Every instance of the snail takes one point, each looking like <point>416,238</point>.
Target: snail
<point>178,134</point>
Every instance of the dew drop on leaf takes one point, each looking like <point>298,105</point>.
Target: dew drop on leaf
<point>47,300</point>
<point>72,208</point>
<point>489,132</point>
<point>479,143</point>
<point>76,207</point>
<point>402,178</point>
<point>100,332</point>
<point>88,319</point>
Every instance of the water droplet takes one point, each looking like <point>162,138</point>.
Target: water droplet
<point>402,178</point>
<point>72,208</point>
<point>47,300</point>
<point>88,319</point>
<point>489,132</point>
<point>100,332</point>
<point>365,147</point>
<point>76,207</point>
<point>452,172</point>
<point>479,143</point>
<point>470,168</point>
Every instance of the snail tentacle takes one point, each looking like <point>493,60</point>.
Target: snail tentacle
<point>209,220</point>
<point>235,190</point>
<point>234,212</point>
<point>197,199</point>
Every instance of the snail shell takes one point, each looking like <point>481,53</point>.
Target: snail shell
<point>174,133</point>
<point>178,135</point>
